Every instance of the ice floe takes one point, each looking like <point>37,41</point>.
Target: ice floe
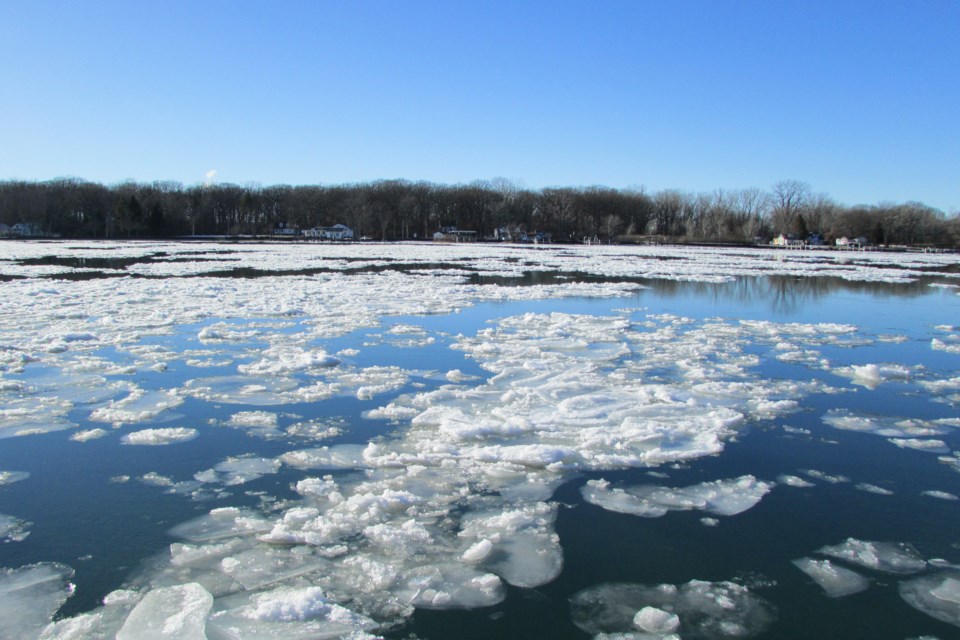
<point>162,436</point>
<point>835,580</point>
<point>170,612</point>
<point>937,595</point>
<point>239,470</point>
<point>942,495</point>
<point>140,405</point>
<point>9,477</point>
<point>13,529</point>
<point>871,376</point>
<point>697,609</point>
<point>888,557</point>
<point>30,596</point>
<point>89,434</point>
<point>720,497</point>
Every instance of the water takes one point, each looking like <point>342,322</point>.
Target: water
<point>105,508</point>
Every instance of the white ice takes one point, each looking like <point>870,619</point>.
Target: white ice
<point>162,436</point>
<point>174,613</point>
<point>696,609</point>
<point>9,477</point>
<point>720,497</point>
<point>30,596</point>
<point>937,595</point>
<point>835,580</point>
<point>888,557</point>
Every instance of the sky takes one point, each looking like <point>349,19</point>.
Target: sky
<point>858,99</point>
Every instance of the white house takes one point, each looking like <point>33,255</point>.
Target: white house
<point>452,234</point>
<point>336,232</point>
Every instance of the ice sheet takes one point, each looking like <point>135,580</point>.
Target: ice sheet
<point>30,596</point>
<point>696,609</point>
<point>888,557</point>
<point>937,595</point>
<point>163,436</point>
<point>835,580</point>
<point>720,497</point>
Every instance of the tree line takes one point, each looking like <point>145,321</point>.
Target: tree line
<point>401,209</point>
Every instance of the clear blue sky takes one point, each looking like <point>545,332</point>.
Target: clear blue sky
<point>860,99</point>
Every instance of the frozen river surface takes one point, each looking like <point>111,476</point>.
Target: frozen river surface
<point>235,441</point>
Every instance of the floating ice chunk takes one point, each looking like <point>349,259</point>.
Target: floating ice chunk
<point>286,360</point>
<point>251,390</point>
<point>34,415</point>
<point>9,477</point>
<point>259,567</point>
<point>221,331</point>
<point>372,381</point>
<point>178,612</point>
<point>239,470</point>
<point>523,550</point>
<point>836,581</point>
<point>931,445</point>
<point>221,523</point>
<point>450,586</point>
<point>720,497</point>
<point>871,376</point>
<point>456,376</point>
<point>287,613</point>
<point>872,488</point>
<point>344,456</point>
<point>168,435</point>
<point>477,551</point>
<point>950,347</point>
<point>942,495</point>
<point>139,406</point>
<point>316,429</point>
<point>702,610</point>
<point>826,477</point>
<point>13,529</point>
<point>262,424</point>
<point>156,480</point>
<point>101,624</point>
<point>936,595</point>
<point>189,555</point>
<point>255,419</point>
<point>30,596</point>
<point>941,386</point>
<point>888,557</point>
<point>88,434</point>
<point>886,426</point>
<point>794,481</point>
<point>656,620</point>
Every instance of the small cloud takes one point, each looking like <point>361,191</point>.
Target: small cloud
<point>210,177</point>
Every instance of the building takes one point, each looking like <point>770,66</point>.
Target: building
<point>452,234</point>
<point>338,232</point>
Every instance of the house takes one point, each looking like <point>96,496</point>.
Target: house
<point>286,230</point>
<point>815,240</point>
<point>851,243</point>
<point>788,241</point>
<point>26,230</point>
<point>338,232</point>
<point>452,234</point>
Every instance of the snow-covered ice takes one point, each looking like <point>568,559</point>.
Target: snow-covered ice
<point>887,557</point>
<point>697,609</point>
<point>835,580</point>
<point>161,436</point>
<point>720,497</point>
